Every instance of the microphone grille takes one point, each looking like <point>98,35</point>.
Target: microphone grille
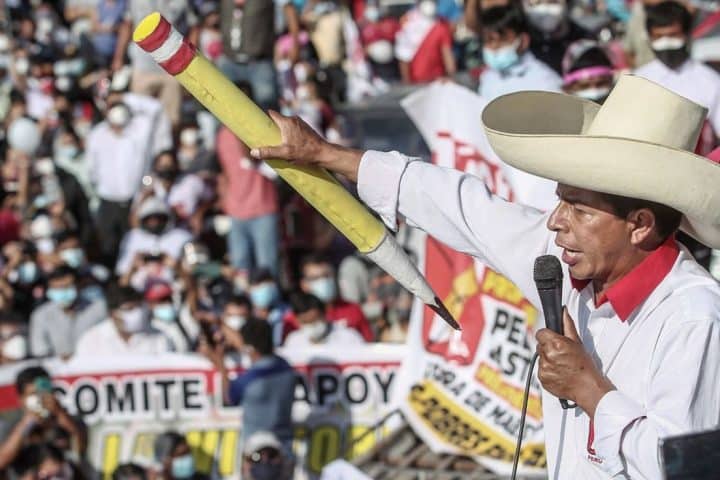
<point>547,272</point>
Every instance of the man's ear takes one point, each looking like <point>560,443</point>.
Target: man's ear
<point>642,227</point>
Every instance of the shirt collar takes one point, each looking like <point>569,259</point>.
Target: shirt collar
<point>637,285</point>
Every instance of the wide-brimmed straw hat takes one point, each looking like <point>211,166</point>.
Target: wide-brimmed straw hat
<point>638,144</point>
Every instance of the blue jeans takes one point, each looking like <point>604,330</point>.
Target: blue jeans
<point>253,243</point>
<point>261,76</point>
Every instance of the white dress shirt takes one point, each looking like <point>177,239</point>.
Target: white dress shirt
<point>657,340</point>
<point>104,339</point>
<point>693,80</point>
<point>119,161</point>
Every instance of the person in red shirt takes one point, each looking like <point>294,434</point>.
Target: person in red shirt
<point>249,196</point>
<point>424,45</point>
<point>318,279</point>
<point>377,33</point>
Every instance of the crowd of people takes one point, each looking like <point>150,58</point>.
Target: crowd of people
<point>131,222</point>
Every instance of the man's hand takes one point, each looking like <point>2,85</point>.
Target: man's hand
<point>567,370</point>
<point>301,145</point>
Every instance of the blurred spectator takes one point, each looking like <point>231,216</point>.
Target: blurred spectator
<point>263,458</point>
<point>587,71</point>
<point>210,36</point>
<point>669,29</point>
<point>511,66</point>
<point>248,32</point>
<point>126,331</point>
<point>43,461</point>
<point>23,276</point>
<point>192,154</point>
<point>377,32</point>
<point>147,77</point>
<point>175,460</point>
<point>58,324</point>
<point>91,277</point>
<point>315,329</point>
<point>117,151</point>
<point>69,157</point>
<point>267,303</point>
<point>13,338</point>
<point>249,196</point>
<point>550,29</point>
<point>266,390</point>
<point>129,471</point>
<point>636,42</point>
<point>236,312</point>
<point>182,192</point>
<point>164,315</point>
<point>318,278</point>
<point>42,413</point>
<point>155,236</point>
<point>424,45</point>
<point>107,19</point>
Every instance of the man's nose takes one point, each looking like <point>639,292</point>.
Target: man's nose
<point>558,219</point>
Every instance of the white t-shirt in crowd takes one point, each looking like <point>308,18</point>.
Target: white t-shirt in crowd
<point>104,339</point>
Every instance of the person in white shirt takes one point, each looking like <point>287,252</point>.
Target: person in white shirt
<point>314,327</point>
<point>127,331</point>
<point>669,27</point>
<point>641,352</point>
<point>154,235</point>
<point>117,152</point>
<point>511,67</point>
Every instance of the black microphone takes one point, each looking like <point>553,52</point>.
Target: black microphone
<point>548,277</point>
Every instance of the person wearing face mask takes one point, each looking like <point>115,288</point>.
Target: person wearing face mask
<point>319,279</point>
<point>57,325</point>
<point>192,154</point>
<point>511,66</point>
<point>126,331</point>
<point>13,339</point>
<point>669,30</point>
<point>551,30</point>
<point>174,459</point>
<point>165,315</point>
<point>155,234</point>
<point>423,45</point>
<point>236,312</point>
<point>377,33</point>
<point>41,414</point>
<point>587,71</point>
<point>268,304</point>
<point>265,391</point>
<point>315,329</point>
<point>69,157</point>
<point>263,458</point>
<point>117,152</point>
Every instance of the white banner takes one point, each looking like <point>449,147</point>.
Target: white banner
<point>462,391</point>
<point>127,400</point>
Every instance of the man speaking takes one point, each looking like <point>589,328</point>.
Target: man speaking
<point>641,352</point>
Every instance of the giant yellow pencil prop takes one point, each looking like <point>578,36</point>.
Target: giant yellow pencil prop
<point>234,109</point>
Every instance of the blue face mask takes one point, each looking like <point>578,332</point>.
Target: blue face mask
<point>64,297</point>
<point>92,293</point>
<point>164,312</point>
<point>73,257</point>
<point>324,288</point>
<point>183,467</point>
<point>502,58</point>
<point>27,272</point>
<point>264,295</point>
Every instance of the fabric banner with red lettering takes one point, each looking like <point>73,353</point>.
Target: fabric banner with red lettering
<point>462,391</point>
<point>126,401</point>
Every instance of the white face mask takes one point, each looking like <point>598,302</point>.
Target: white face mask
<point>315,330</point>
<point>301,72</point>
<point>189,137</point>
<point>133,320</point>
<point>118,116</point>
<point>22,66</point>
<point>545,16</point>
<point>34,404</point>
<point>428,8</point>
<point>667,43</point>
<point>15,348</point>
<point>593,94</point>
<point>235,322</point>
